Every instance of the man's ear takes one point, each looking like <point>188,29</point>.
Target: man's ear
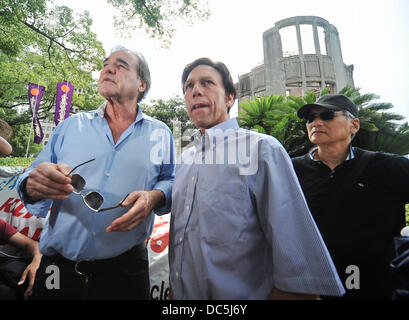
<point>142,87</point>
<point>355,125</point>
<point>229,100</point>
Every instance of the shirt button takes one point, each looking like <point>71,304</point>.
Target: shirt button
<point>177,275</point>
<point>193,178</point>
<point>113,150</point>
<point>94,234</point>
<point>107,174</point>
<point>180,239</point>
<point>187,208</point>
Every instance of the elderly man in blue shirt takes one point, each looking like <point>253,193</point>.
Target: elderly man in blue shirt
<point>240,226</point>
<point>103,174</point>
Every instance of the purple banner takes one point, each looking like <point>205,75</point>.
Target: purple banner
<point>38,131</point>
<point>63,104</point>
<point>35,94</point>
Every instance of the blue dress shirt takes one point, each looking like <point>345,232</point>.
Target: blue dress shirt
<point>142,159</point>
<point>240,224</point>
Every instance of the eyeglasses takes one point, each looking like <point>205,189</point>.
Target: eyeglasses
<point>92,199</point>
<point>326,115</point>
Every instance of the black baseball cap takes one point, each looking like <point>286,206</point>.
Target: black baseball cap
<point>330,101</point>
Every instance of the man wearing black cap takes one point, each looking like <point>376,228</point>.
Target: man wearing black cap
<point>357,197</point>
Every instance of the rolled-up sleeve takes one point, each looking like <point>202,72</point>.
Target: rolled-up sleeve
<point>301,262</point>
<point>38,208</point>
<point>167,174</point>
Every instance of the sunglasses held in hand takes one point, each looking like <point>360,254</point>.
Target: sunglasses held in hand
<point>92,199</point>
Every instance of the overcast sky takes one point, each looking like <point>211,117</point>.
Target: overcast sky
<point>373,33</point>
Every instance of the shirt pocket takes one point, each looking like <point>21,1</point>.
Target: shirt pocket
<point>223,200</point>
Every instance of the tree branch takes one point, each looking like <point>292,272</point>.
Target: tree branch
<point>67,33</point>
<point>156,20</point>
<point>51,38</point>
<point>49,55</point>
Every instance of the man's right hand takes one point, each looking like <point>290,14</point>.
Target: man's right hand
<point>49,181</point>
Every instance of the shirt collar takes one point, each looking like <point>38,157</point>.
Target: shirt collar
<point>216,131</point>
<point>350,156</point>
<point>101,112</point>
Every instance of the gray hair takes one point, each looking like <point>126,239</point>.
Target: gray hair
<point>143,68</point>
<point>349,116</point>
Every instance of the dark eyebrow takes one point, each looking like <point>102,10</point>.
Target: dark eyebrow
<point>123,61</point>
<point>207,78</point>
<point>118,60</point>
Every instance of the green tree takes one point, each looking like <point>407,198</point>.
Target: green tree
<point>20,140</point>
<point>262,113</point>
<point>173,113</point>
<point>169,111</point>
<point>45,45</point>
<point>277,116</point>
<point>407,214</point>
<point>20,137</point>
<point>157,17</point>
<point>380,130</point>
<point>290,130</point>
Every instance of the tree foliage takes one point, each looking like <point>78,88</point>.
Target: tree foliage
<point>380,128</point>
<point>158,17</point>
<point>277,116</point>
<point>16,162</point>
<point>169,111</point>
<point>173,113</point>
<point>44,44</point>
<point>20,137</point>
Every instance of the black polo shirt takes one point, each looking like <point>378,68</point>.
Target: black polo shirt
<point>359,230</point>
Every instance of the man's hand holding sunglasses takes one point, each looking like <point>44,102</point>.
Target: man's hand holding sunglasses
<point>143,203</point>
<point>49,181</point>
<point>55,181</point>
